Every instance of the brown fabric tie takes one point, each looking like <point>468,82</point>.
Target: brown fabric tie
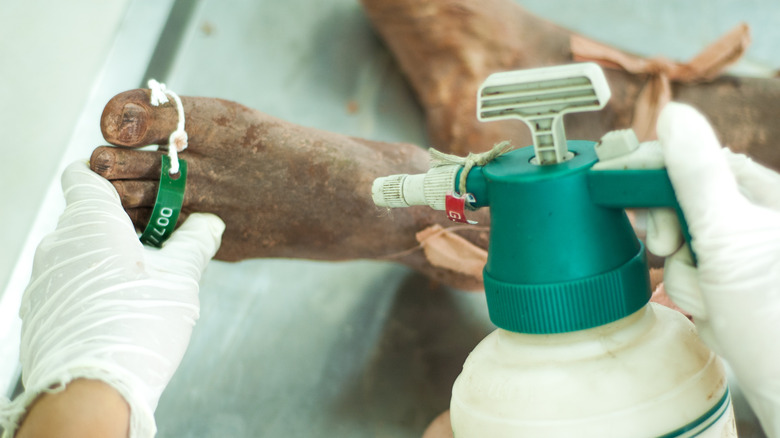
<point>661,71</point>
<point>445,249</point>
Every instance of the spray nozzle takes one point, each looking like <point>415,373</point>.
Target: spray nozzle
<point>403,190</point>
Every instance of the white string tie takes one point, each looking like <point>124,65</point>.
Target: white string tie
<point>469,161</point>
<point>177,141</point>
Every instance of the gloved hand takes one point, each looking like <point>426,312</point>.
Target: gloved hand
<point>102,306</point>
<point>732,206</point>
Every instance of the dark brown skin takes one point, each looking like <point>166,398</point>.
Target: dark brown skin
<point>447,48</point>
<point>283,190</point>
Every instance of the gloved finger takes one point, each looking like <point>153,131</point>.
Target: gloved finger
<point>80,184</point>
<point>681,280</point>
<point>664,235</point>
<point>190,247</point>
<point>92,202</point>
<point>91,231</point>
<point>754,180</point>
<point>704,185</point>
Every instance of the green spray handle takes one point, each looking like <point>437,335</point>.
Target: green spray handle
<point>631,188</point>
<point>647,188</point>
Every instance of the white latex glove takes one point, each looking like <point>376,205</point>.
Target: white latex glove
<point>732,206</point>
<point>102,306</point>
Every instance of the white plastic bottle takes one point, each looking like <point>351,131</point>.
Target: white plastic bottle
<point>645,375</point>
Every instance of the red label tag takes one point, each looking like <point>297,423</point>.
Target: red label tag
<point>456,208</point>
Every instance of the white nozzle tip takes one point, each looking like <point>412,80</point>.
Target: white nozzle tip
<point>387,191</point>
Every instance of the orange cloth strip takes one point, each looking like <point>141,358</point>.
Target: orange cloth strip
<point>445,249</point>
<point>658,91</point>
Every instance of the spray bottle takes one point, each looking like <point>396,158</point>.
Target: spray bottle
<point>579,351</point>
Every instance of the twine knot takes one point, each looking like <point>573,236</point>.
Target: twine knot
<point>704,67</point>
<point>441,159</point>
<point>177,141</point>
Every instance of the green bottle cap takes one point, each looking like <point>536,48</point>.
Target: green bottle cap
<point>558,262</point>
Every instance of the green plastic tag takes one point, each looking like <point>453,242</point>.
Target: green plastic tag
<point>167,207</point>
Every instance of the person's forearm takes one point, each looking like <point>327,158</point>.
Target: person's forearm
<point>86,408</point>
